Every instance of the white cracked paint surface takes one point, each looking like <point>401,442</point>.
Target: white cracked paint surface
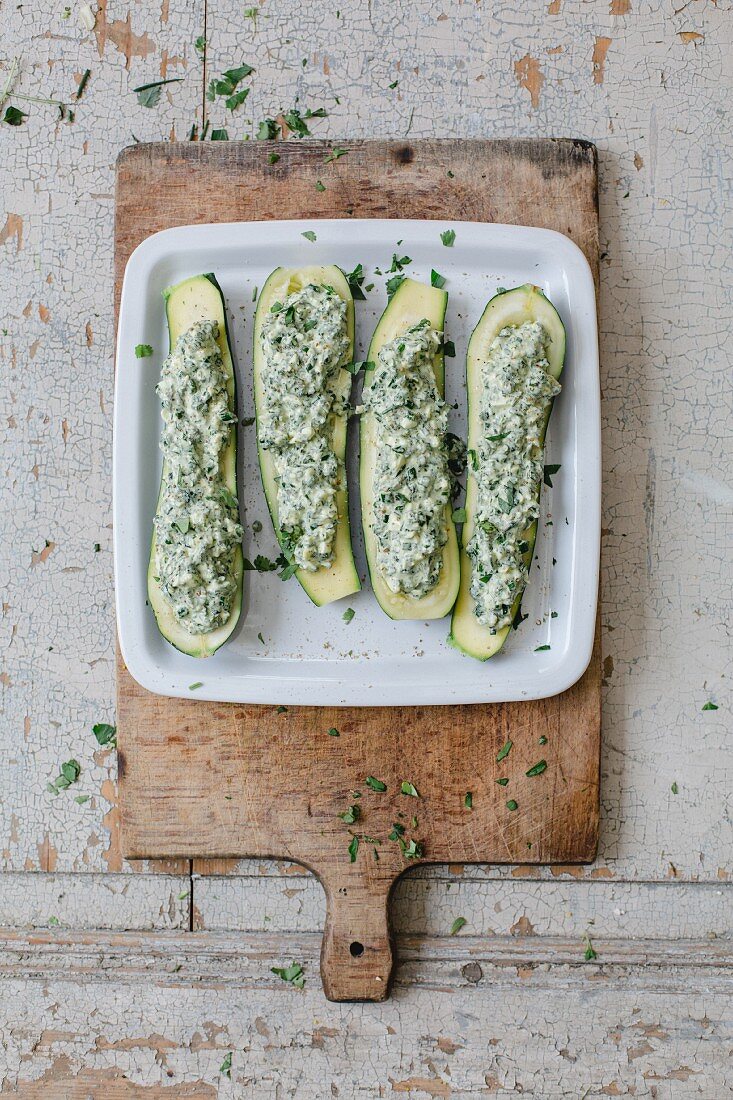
<point>646,82</point>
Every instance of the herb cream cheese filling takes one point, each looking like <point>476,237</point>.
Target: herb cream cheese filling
<point>197,526</point>
<point>507,465</point>
<point>411,485</point>
<point>304,344</point>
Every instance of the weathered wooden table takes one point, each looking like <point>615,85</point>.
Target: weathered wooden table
<point>122,981</point>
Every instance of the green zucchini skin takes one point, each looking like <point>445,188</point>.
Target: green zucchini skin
<point>509,307</point>
<point>195,299</point>
<point>322,586</point>
<point>411,302</point>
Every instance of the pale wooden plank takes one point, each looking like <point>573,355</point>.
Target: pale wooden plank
<point>94,901</point>
<point>468,1017</point>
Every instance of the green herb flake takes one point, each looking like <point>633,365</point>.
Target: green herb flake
<point>355,280</point>
<point>468,800</point>
<point>54,922</point>
<point>220,134</point>
<point>393,85</point>
<point>375,784</point>
<point>14,116</point>
<point>81,799</point>
<point>449,349</point>
<point>320,186</point>
<point>259,635</point>
<point>143,351</point>
<point>267,130</point>
<point>459,515</point>
<point>436,279</point>
<point>348,614</point>
<point>502,782</point>
<point>200,44</point>
<point>83,83</point>
<point>309,235</point>
<point>542,740</point>
<point>448,237</point>
<point>273,158</point>
<point>542,648</point>
<point>590,952</point>
<point>537,769</point>
<point>194,687</point>
<point>281,709</point>
<point>504,751</point>
<point>226,1066</point>
<point>409,789</point>
<point>674,788</point>
<point>458,924</point>
<point>148,95</point>
<point>353,849</point>
<point>68,774</point>
<point>105,734</point>
<point>293,974</point>
<point>511,804</point>
<point>393,284</point>
<point>351,815</point>
<point>333,732</point>
<point>335,153</point>
<point>550,471</point>
<point>710,706</point>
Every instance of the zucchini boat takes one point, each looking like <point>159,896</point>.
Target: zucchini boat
<point>508,308</point>
<point>411,303</point>
<point>324,585</point>
<point>199,299</point>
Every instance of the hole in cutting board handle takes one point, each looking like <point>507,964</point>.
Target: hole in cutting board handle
<point>356,949</point>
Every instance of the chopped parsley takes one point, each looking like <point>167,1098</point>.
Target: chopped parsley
<point>459,515</point>
<point>335,153</point>
<point>350,816</point>
<point>437,280</point>
<point>502,782</point>
<point>375,784</point>
<point>504,751</point>
<point>409,789</point>
<point>148,95</point>
<point>273,158</point>
<point>542,648</point>
<point>674,788</point>
<point>14,116</point>
<point>449,349</point>
<point>293,974</point>
<point>320,186</point>
<point>710,706</point>
<point>348,614</point>
<point>355,280</point>
<point>537,769</point>
<point>468,800</point>
<point>105,734</point>
<point>220,134</point>
<point>69,773</point>
<point>457,925</point>
<point>268,130</point>
<point>448,237</point>
<point>143,351</point>
<point>281,709</point>
<point>226,1066</point>
<point>195,686</point>
<point>226,85</point>
<point>512,805</point>
<point>589,953</point>
<point>353,848</point>
<point>333,732</point>
<point>550,471</point>
<point>309,235</point>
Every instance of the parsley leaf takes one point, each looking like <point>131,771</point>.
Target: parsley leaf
<point>351,815</point>
<point>538,768</point>
<point>448,238</point>
<point>710,706</point>
<point>375,784</point>
<point>148,95</point>
<point>355,280</point>
<point>436,279</point>
<point>226,1066</point>
<point>333,732</point>
<point>549,471</point>
<point>309,235</point>
<point>393,283</point>
<point>14,116</point>
<point>293,974</point>
<point>267,130</point>
<point>504,751</point>
<point>353,849</point>
<point>590,953</point>
<point>457,925</point>
<point>409,789</point>
<point>335,153</point>
<point>459,515</point>
<point>348,614</point>
<point>105,734</point>
<point>143,351</point>
<point>512,805</point>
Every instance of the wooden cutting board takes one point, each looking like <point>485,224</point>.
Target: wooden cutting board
<point>213,780</point>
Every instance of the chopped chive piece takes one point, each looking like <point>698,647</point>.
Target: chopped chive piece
<point>193,687</point>
<point>335,153</point>
<point>293,974</point>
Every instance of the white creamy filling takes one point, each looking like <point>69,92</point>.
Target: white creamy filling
<point>197,526</point>
<point>304,344</point>
<point>411,485</point>
<point>507,465</point>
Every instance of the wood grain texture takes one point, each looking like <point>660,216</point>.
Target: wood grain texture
<point>205,779</point>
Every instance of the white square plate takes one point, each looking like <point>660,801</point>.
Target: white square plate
<point>309,654</point>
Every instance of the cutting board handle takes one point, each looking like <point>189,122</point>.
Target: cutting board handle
<point>356,953</point>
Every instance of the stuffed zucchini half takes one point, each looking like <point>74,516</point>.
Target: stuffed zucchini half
<point>411,548</point>
<point>195,574</point>
<point>518,327</point>
<point>303,341</point>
